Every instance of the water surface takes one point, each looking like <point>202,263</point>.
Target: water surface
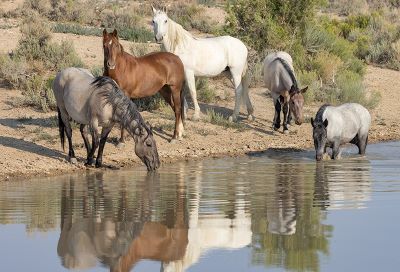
<point>275,211</point>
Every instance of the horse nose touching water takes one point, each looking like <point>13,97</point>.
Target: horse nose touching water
<point>97,103</point>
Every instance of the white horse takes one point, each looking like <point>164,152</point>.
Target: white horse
<point>206,57</point>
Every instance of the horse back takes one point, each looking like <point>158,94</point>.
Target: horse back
<point>144,76</point>
<point>276,78</point>
<point>346,121</point>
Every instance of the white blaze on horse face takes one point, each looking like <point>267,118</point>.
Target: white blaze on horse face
<point>110,42</point>
<point>160,25</point>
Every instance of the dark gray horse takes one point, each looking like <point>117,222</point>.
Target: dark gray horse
<point>98,102</point>
<point>336,126</point>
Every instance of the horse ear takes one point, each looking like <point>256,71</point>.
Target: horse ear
<point>115,33</point>
<point>153,9</point>
<point>326,122</point>
<point>105,33</point>
<point>312,122</point>
<point>304,90</point>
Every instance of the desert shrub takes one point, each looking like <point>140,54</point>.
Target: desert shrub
<point>35,58</point>
<point>97,71</point>
<point>140,49</point>
<point>191,16</point>
<point>327,65</point>
<point>38,93</point>
<point>13,70</point>
<point>73,11</point>
<point>137,34</point>
<point>310,79</point>
<point>150,103</point>
<point>41,6</point>
<point>204,92</point>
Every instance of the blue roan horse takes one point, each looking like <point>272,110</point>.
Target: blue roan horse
<point>336,126</point>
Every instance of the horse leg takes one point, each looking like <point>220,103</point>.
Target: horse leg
<point>94,129</point>
<point>68,131</point>
<point>285,117</point>
<point>246,97</point>
<point>277,117</point>
<point>103,139</point>
<point>121,141</point>
<point>85,135</point>
<point>362,143</point>
<point>176,96</point>
<point>335,149</point>
<point>289,118</point>
<point>191,84</point>
<point>237,80</point>
<point>166,94</point>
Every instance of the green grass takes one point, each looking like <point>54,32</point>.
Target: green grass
<point>131,34</point>
<point>219,120</point>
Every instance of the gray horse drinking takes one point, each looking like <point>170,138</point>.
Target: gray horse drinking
<point>336,126</point>
<point>281,81</point>
<point>98,102</point>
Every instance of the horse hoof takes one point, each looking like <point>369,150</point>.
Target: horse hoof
<point>251,117</point>
<point>286,131</point>
<point>275,128</point>
<point>173,141</point>
<point>73,160</point>
<point>120,145</point>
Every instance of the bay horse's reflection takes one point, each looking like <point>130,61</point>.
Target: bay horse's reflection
<point>119,235</point>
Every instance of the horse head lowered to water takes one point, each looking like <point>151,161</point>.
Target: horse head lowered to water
<point>99,103</point>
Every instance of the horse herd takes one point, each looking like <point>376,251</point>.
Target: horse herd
<point>98,103</point>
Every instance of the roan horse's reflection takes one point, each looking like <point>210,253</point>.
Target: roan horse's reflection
<point>123,241</point>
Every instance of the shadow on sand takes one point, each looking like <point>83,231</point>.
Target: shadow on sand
<point>32,148</point>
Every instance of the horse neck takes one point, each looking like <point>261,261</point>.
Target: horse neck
<point>176,37</point>
<point>126,117</point>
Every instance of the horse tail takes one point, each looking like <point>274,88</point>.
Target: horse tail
<point>61,128</point>
<point>183,103</point>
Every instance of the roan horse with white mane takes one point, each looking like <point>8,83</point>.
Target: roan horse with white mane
<point>206,57</point>
<point>280,79</point>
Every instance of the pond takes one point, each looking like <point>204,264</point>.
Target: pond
<point>279,211</point>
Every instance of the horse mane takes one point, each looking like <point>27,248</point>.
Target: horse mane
<point>118,100</point>
<point>177,35</point>
<point>320,113</point>
<point>289,70</point>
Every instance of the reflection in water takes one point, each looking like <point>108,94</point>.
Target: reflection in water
<point>273,206</point>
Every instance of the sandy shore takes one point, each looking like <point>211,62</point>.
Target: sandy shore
<point>29,144</point>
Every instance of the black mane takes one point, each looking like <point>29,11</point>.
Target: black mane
<point>320,113</point>
<point>289,70</point>
<point>118,100</point>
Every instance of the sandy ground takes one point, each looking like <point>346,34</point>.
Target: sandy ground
<point>29,144</point>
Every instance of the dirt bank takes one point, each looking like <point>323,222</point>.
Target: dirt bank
<point>29,144</point>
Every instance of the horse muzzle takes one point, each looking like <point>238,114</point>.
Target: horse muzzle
<point>111,66</point>
<point>159,39</point>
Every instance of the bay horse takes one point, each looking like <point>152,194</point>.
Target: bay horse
<point>206,57</point>
<point>336,126</point>
<point>144,76</point>
<point>98,102</point>
<point>281,81</point>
